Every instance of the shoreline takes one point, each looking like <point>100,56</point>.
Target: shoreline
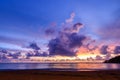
<point>59,75</point>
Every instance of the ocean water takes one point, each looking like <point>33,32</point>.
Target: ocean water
<point>60,66</point>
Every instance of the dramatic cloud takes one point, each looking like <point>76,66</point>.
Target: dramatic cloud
<point>68,40</point>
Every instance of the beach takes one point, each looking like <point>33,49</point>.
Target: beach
<point>59,75</point>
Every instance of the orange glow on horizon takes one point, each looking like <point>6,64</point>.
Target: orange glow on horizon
<point>84,53</point>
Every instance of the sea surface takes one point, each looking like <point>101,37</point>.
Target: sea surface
<point>60,66</point>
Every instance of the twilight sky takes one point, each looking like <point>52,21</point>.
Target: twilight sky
<point>24,21</point>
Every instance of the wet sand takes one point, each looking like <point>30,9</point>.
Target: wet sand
<point>59,75</point>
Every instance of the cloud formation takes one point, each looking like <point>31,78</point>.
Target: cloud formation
<point>34,46</point>
<point>68,40</point>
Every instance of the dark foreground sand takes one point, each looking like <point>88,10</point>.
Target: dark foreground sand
<point>59,75</point>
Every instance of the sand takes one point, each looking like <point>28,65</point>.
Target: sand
<point>59,75</point>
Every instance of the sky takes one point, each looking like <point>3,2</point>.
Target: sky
<point>24,21</point>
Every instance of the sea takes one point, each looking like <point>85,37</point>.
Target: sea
<point>84,66</point>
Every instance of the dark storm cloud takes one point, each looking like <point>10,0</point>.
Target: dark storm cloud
<point>67,42</point>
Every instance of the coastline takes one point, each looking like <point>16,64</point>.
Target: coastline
<point>59,75</point>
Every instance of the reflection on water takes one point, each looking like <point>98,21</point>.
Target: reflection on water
<point>60,66</point>
<point>86,66</point>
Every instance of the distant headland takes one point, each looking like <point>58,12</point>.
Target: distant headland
<point>113,60</point>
